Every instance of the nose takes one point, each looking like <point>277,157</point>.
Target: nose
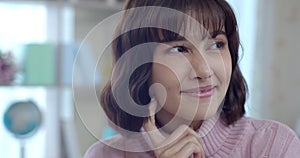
<point>200,67</point>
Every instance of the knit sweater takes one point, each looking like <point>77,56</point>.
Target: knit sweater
<point>246,138</point>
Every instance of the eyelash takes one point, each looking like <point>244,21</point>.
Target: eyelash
<point>184,49</point>
<point>219,45</point>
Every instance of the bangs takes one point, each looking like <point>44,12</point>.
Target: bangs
<point>207,15</point>
<point>146,21</point>
<point>164,21</point>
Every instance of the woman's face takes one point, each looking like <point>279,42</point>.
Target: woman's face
<point>195,74</point>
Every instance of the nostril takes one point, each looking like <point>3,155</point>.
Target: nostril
<point>201,78</point>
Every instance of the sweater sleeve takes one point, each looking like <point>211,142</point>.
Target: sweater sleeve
<point>276,140</point>
<point>94,150</point>
<point>118,147</point>
<point>101,150</point>
<point>293,148</point>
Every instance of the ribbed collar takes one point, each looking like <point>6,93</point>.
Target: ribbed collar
<point>219,139</point>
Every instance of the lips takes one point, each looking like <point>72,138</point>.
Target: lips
<point>200,92</point>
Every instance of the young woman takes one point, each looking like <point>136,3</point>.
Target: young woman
<point>177,90</point>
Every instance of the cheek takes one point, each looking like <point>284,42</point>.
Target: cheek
<point>228,66</point>
<point>222,67</point>
<point>166,86</point>
<point>163,76</point>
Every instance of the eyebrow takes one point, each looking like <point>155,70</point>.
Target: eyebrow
<point>214,34</point>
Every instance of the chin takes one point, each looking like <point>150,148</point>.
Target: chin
<point>199,116</point>
<point>208,113</point>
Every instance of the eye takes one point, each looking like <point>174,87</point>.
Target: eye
<point>217,45</point>
<point>179,49</point>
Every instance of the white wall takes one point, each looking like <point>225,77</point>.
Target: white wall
<point>276,71</point>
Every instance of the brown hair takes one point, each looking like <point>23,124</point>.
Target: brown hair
<point>214,15</point>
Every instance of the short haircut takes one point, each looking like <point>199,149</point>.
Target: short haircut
<point>214,15</point>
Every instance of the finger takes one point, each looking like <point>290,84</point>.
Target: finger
<point>199,155</point>
<point>181,132</point>
<point>179,145</point>
<point>188,150</point>
<point>155,135</point>
<point>196,155</point>
<point>150,123</point>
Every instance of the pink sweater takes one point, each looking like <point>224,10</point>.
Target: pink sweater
<point>247,138</point>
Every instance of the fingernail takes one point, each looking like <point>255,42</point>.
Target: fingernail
<point>153,99</point>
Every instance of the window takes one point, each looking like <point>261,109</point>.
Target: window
<point>246,16</point>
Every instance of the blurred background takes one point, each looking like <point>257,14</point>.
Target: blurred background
<point>39,41</point>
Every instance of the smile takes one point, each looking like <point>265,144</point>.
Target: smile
<point>200,92</point>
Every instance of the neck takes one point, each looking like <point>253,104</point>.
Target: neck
<point>168,122</point>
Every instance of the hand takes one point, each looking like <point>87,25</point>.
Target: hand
<point>182,143</point>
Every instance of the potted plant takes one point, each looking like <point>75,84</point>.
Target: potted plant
<point>8,68</point>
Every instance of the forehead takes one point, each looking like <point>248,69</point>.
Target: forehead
<point>192,24</point>
<point>193,30</point>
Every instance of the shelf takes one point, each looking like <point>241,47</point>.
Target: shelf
<point>65,24</point>
<point>106,5</point>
